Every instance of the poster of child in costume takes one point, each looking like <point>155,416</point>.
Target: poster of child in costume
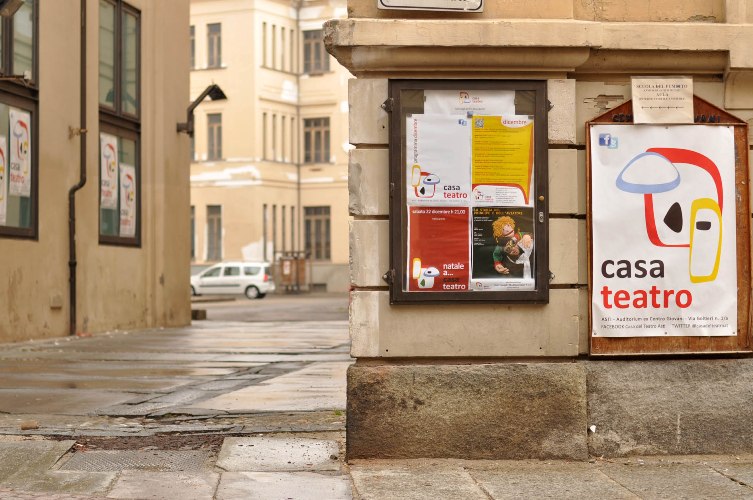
<point>503,245</point>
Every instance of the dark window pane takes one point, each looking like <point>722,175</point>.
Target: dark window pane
<point>192,35</point>
<point>214,45</point>
<point>23,36</point>
<point>106,54</point>
<point>130,69</point>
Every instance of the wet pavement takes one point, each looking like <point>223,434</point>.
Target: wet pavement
<point>227,410</point>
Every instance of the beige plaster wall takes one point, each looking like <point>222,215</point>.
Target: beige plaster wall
<point>118,287</point>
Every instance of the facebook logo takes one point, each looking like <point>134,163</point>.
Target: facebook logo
<point>608,141</point>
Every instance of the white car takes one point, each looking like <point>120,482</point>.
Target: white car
<point>253,279</point>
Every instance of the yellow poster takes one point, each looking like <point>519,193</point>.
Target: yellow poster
<point>502,159</point>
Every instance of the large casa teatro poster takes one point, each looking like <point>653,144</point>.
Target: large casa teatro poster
<point>663,231</point>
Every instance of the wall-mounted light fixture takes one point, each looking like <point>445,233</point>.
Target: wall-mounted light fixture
<point>9,7</point>
<point>214,92</point>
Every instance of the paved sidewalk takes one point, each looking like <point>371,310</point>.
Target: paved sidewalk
<point>227,411</point>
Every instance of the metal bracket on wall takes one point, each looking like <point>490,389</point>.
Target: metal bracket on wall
<point>388,104</point>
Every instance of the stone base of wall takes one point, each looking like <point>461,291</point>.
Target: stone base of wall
<point>545,410</point>
<point>490,411</point>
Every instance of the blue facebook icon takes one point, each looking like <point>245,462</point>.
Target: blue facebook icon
<point>605,139</point>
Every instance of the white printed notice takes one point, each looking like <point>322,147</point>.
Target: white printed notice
<point>108,171</point>
<point>20,153</point>
<point>664,235</point>
<point>469,102</point>
<point>3,180</point>
<point>127,201</point>
<point>438,158</point>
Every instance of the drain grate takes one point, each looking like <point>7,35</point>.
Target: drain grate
<point>153,460</point>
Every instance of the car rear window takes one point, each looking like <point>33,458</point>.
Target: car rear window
<point>251,270</point>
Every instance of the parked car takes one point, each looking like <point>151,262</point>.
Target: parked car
<point>253,279</point>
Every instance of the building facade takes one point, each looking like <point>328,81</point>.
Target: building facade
<point>94,194</point>
<point>523,378</point>
<point>269,171</point>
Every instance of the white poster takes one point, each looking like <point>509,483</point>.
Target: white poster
<point>108,171</point>
<point>127,201</point>
<point>20,153</point>
<point>438,159</point>
<point>664,234</point>
<point>3,180</point>
<point>469,102</point>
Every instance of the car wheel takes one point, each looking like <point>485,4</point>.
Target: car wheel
<point>261,295</point>
<point>193,291</point>
<point>252,292</point>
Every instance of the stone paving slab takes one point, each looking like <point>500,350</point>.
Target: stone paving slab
<point>581,481</point>
<point>81,483</point>
<point>317,387</point>
<point>413,480</point>
<point>278,454</point>
<point>58,402</point>
<point>23,458</point>
<point>675,481</point>
<point>165,485</point>
<point>283,485</point>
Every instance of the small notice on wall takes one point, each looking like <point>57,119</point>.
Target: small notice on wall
<point>451,5</point>
<point>666,99</point>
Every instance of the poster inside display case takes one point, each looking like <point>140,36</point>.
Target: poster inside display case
<point>468,173</point>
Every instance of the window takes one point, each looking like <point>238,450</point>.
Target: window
<point>192,35</point>
<point>274,230</point>
<point>282,139</point>
<point>316,140</point>
<point>212,273</point>
<point>283,247</point>
<point>274,46</point>
<point>264,45</point>
<point>232,271</point>
<point>264,231</point>
<point>193,233</point>
<point>18,123</point>
<point>214,232</point>
<point>315,57</point>
<point>264,136</point>
<point>292,228</point>
<point>214,136</point>
<point>292,51</point>
<point>317,232</point>
<point>214,45</point>
<point>251,270</point>
<point>120,126</point>
<point>282,49</point>
<point>274,137</point>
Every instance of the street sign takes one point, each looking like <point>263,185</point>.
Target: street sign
<point>445,5</point>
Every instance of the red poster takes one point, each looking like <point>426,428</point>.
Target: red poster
<point>438,255</point>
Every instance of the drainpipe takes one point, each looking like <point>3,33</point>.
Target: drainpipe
<point>298,141</point>
<point>80,184</point>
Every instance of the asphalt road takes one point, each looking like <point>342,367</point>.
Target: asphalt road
<point>274,307</point>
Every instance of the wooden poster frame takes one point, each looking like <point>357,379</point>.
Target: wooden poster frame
<point>705,114</point>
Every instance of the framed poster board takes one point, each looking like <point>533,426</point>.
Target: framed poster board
<point>669,233</point>
<point>468,187</point>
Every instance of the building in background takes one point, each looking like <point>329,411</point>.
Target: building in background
<point>106,153</point>
<point>270,163</point>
